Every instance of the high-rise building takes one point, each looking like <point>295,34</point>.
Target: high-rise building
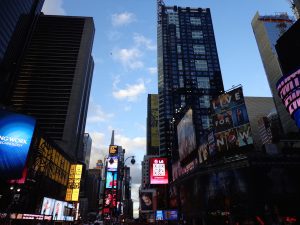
<point>152,125</point>
<point>17,19</point>
<point>267,30</point>
<point>87,147</point>
<point>54,79</point>
<point>188,68</point>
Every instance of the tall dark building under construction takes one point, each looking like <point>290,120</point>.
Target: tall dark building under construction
<point>189,73</point>
<point>54,79</point>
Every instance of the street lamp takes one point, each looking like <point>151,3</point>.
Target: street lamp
<point>132,159</point>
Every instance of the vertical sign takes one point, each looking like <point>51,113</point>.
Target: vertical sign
<point>74,182</point>
<point>158,171</point>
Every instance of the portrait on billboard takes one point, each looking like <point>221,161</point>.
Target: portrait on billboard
<point>239,115</point>
<point>111,178</point>
<point>231,139</point>
<point>146,201</point>
<point>58,210</point>
<point>112,163</point>
<point>222,121</point>
<point>16,131</point>
<point>110,199</point>
<point>47,206</point>
<point>203,153</point>
<point>244,135</point>
<point>186,135</point>
<point>221,141</point>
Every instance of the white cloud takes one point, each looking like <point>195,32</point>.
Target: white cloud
<point>131,92</point>
<point>129,57</point>
<point>121,19</point>
<point>54,7</point>
<point>142,41</point>
<point>127,108</point>
<point>152,70</point>
<point>96,114</point>
<point>99,148</point>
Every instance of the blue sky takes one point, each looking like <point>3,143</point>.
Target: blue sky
<point>125,62</point>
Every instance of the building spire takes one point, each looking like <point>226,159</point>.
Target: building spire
<point>112,141</point>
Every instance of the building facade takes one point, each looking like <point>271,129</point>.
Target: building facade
<point>267,30</point>
<point>87,148</point>
<point>54,79</point>
<point>17,21</point>
<point>188,68</point>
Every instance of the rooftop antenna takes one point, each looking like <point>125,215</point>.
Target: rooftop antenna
<point>112,141</point>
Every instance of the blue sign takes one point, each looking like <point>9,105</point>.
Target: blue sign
<point>16,132</point>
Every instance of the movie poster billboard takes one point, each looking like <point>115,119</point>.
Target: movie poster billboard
<point>159,171</point>
<point>58,210</point>
<point>111,179</point>
<point>230,123</point>
<point>110,198</point>
<point>16,131</point>
<point>112,163</point>
<point>186,135</point>
<point>47,206</point>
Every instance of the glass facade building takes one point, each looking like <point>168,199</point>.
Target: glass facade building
<point>189,73</point>
<point>267,30</point>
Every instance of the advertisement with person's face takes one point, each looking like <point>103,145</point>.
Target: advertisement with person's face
<point>58,210</point>
<point>146,201</point>
<point>110,198</point>
<point>186,135</point>
<point>112,163</point>
<point>47,206</point>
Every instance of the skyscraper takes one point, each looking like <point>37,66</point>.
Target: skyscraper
<point>54,79</point>
<point>17,19</point>
<point>267,30</point>
<point>152,125</point>
<point>188,68</point>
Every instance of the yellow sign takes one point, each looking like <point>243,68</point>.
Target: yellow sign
<point>74,183</point>
<point>52,164</point>
<point>113,149</point>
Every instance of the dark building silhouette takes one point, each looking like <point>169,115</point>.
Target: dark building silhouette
<point>17,20</point>
<point>152,125</point>
<point>54,79</point>
<point>188,68</point>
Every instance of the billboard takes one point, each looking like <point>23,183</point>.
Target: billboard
<point>113,150</point>
<point>74,182</point>
<point>111,178</point>
<point>16,131</point>
<point>59,210</point>
<point>146,201</point>
<point>159,171</point>
<point>154,121</point>
<point>186,135</point>
<point>288,88</point>
<point>110,198</point>
<point>47,206</point>
<point>114,165</point>
<point>231,125</point>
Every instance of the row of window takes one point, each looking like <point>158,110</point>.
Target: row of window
<point>200,65</point>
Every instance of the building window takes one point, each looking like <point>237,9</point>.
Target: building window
<point>181,83</point>
<point>197,34</point>
<point>178,48</point>
<point>199,49</point>
<point>203,82</point>
<point>201,65</point>
<point>182,99</point>
<point>195,20</point>
<point>204,101</point>
<point>205,121</point>
<point>180,64</point>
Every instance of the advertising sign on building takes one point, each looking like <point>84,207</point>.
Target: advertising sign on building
<point>16,131</point>
<point>231,126</point>
<point>111,179</point>
<point>158,171</point>
<point>154,121</point>
<point>112,163</point>
<point>59,210</point>
<point>146,201</point>
<point>113,150</point>
<point>288,88</point>
<point>186,135</point>
<point>74,183</point>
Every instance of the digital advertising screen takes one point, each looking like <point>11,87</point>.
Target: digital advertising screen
<point>58,210</point>
<point>146,201</point>
<point>113,150</point>
<point>186,135</point>
<point>112,165</point>
<point>170,214</point>
<point>111,178</point>
<point>16,131</point>
<point>110,199</point>
<point>73,187</point>
<point>159,215</point>
<point>47,206</point>
<point>159,171</point>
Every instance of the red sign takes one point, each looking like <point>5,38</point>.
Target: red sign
<point>158,171</point>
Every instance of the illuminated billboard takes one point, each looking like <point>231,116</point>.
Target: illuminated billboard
<point>288,88</point>
<point>110,199</point>
<point>231,126</point>
<point>16,131</point>
<point>74,182</point>
<point>186,135</point>
<point>113,150</point>
<point>47,206</point>
<point>146,201</point>
<point>112,163</point>
<point>59,210</point>
<point>159,171</point>
<point>111,178</point>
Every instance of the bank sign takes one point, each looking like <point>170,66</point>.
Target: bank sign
<point>288,88</point>
<point>16,132</point>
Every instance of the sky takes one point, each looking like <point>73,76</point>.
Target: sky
<point>125,70</point>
